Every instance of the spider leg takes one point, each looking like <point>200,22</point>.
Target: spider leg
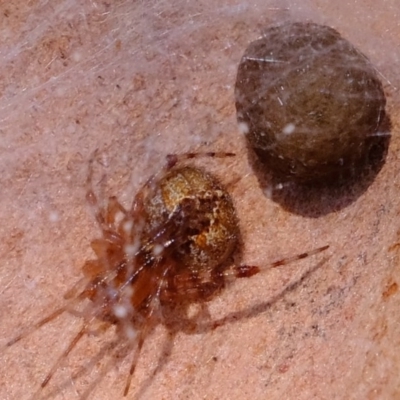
<point>107,219</point>
<point>192,286</point>
<point>36,326</point>
<point>138,349</point>
<point>114,208</point>
<point>41,323</point>
<point>173,159</point>
<point>73,342</point>
<point>90,196</point>
<point>110,351</point>
<point>68,350</point>
<point>152,317</point>
<point>72,298</point>
<point>76,290</point>
<point>245,271</point>
<point>77,337</point>
<point>163,359</point>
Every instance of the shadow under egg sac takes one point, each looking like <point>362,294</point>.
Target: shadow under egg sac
<point>312,109</point>
<point>315,199</point>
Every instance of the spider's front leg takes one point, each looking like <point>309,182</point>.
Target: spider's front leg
<point>107,218</point>
<point>173,159</point>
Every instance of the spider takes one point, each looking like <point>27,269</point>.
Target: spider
<point>173,246</point>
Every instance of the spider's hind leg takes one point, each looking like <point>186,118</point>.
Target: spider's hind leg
<point>246,271</point>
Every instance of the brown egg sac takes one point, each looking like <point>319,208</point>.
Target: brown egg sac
<point>308,102</point>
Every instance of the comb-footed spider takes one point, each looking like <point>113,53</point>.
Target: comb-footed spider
<point>171,247</point>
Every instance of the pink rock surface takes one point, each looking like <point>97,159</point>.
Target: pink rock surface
<point>139,80</point>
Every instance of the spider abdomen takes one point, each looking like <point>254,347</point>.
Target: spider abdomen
<point>200,215</point>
